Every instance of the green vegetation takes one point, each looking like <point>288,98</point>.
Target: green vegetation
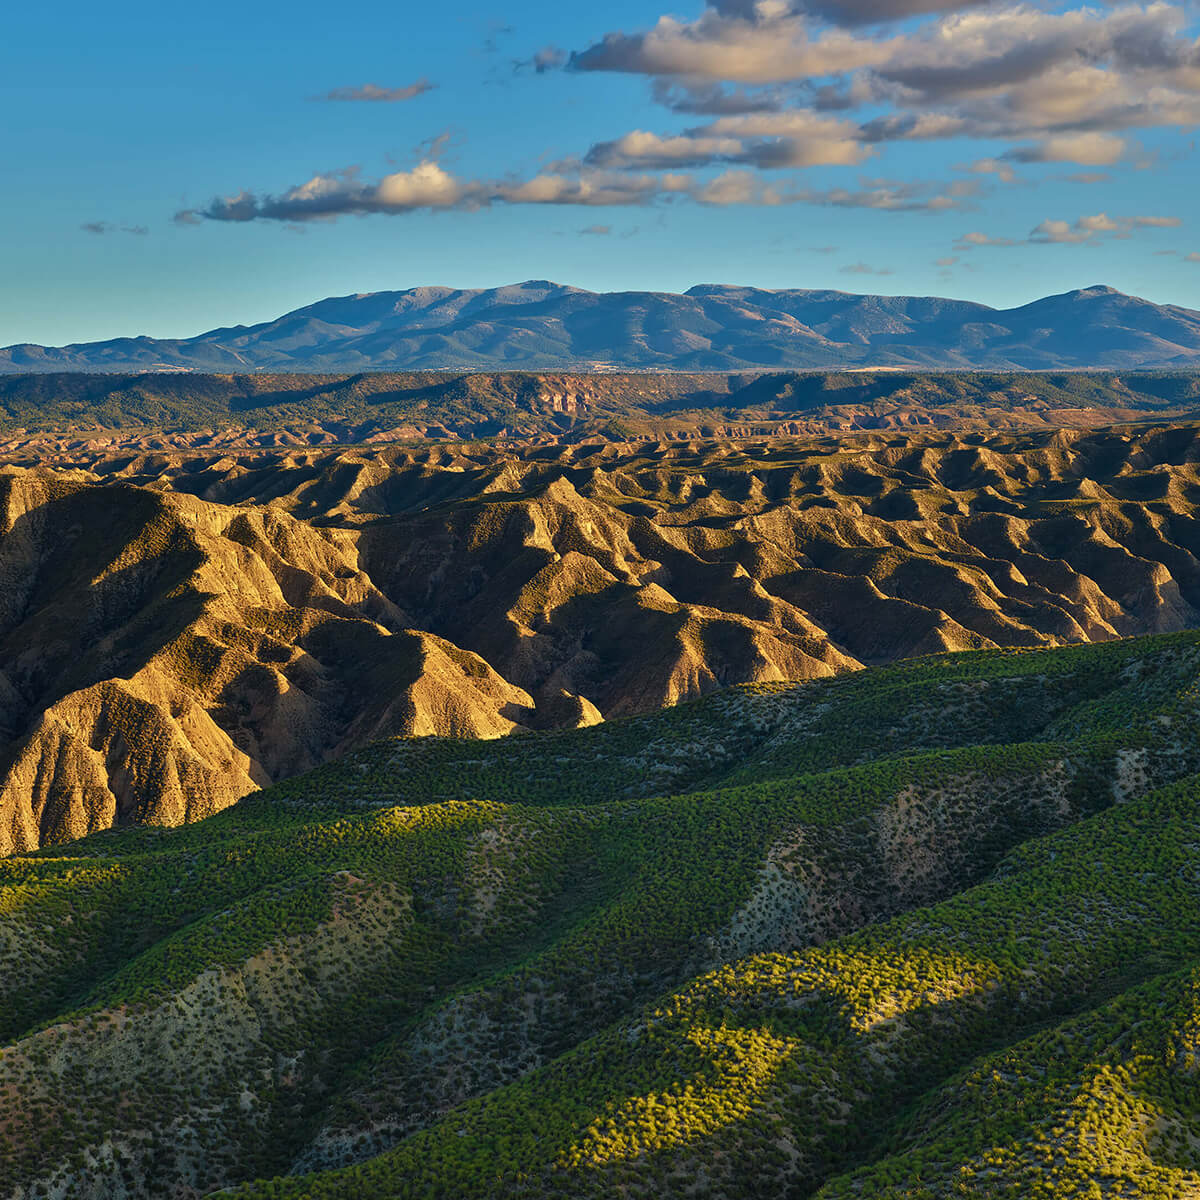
<point>920,931</point>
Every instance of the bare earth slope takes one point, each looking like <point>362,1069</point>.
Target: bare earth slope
<point>162,657</point>
<point>176,630</point>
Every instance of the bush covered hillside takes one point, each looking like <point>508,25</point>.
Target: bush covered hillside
<point>925,930</point>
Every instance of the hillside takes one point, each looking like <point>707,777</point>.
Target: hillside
<point>64,417</point>
<point>178,630</point>
<point>539,325</point>
<point>927,930</point>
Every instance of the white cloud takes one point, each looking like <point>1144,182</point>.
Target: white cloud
<point>425,186</point>
<point>1054,231</point>
<point>994,166</point>
<point>1063,83</point>
<point>798,138</point>
<point>716,47</point>
<point>1085,229</point>
<point>1087,149</point>
<point>373,93</point>
<point>969,241</point>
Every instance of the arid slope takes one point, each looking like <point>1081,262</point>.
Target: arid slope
<point>162,657</point>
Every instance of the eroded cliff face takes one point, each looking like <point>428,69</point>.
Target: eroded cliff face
<point>177,631</point>
<point>162,657</point>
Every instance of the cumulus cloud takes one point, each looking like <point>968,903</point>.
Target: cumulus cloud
<point>737,187</point>
<point>1063,233</point>
<point>596,231</point>
<point>733,49</point>
<point>847,12</point>
<point>797,138</point>
<point>788,85</point>
<point>1062,85</point>
<point>373,93</point>
<point>431,188</point>
<point>993,166</point>
<point>711,99</point>
<point>1085,229</point>
<point>862,268</point>
<point>1086,149</point>
<point>969,241</point>
<point>426,186</point>
<point>1193,257</point>
<point>743,187</point>
<point>591,189</point>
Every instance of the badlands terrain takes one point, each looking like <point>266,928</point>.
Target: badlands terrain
<point>177,630</point>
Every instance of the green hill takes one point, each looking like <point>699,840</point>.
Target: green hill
<point>919,931</point>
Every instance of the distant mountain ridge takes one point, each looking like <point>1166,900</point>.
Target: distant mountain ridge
<point>540,325</point>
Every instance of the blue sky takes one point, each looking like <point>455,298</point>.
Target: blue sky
<point>167,170</point>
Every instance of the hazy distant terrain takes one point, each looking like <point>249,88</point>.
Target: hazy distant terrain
<point>540,325</point>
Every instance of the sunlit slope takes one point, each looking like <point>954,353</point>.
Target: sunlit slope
<point>720,950</point>
<point>162,657</point>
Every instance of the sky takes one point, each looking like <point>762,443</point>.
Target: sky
<point>169,169</point>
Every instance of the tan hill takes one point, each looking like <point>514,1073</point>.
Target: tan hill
<point>176,631</point>
<point>163,657</point>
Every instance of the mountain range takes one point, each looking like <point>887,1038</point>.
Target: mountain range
<point>539,325</point>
